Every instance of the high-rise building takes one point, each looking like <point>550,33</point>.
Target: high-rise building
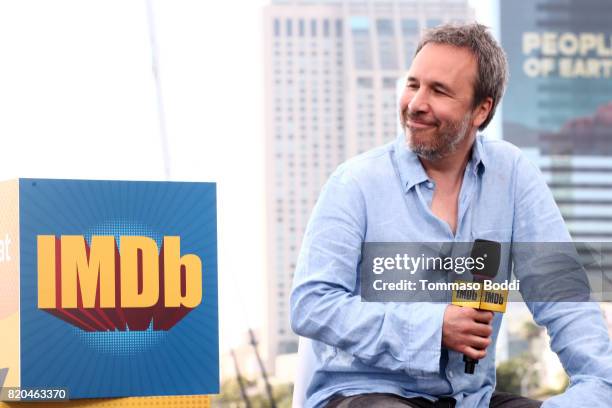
<point>331,69</point>
<point>558,105</point>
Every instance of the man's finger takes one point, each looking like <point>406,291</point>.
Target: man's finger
<point>481,329</point>
<point>479,343</point>
<point>473,353</point>
<point>483,316</point>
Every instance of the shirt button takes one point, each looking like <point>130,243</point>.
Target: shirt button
<point>450,373</point>
<point>430,184</point>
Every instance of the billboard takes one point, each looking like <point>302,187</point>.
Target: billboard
<point>559,97</point>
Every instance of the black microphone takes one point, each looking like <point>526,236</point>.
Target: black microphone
<point>490,253</point>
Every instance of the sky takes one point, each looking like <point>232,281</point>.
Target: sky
<point>78,100</point>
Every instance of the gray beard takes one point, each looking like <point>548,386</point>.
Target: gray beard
<point>452,138</point>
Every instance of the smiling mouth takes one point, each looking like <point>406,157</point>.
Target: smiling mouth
<point>419,125</point>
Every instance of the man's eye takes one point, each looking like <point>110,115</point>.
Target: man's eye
<point>439,91</point>
<point>412,86</point>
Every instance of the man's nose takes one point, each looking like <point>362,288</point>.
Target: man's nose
<point>419,102</point>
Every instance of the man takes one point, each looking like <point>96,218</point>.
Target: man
<point>438,182</point>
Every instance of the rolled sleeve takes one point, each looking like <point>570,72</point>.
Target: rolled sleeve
<point>577,330</point>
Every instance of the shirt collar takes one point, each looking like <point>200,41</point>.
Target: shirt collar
<point>478,159</point>
<point>411,170</point>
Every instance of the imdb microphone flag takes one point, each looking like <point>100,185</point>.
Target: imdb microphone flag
<point>477,297</point>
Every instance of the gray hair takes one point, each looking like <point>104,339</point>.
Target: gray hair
<point>492,73</point>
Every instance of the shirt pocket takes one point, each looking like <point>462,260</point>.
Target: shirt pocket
<point>502,235</point>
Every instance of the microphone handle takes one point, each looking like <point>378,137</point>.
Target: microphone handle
<point>470,364</point>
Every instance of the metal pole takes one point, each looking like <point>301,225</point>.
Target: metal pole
<point>243,393</point>
<point>263,370</point>
<point>161,115</point>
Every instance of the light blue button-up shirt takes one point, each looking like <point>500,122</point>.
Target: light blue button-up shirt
<point>385,195</point>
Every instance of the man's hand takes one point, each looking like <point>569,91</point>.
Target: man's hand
<point>467,330</point>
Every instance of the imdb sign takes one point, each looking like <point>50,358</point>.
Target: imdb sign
<point>109,288</point>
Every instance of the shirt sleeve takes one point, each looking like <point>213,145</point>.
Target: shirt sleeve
<point>577,330</point>
<point>325,306</point>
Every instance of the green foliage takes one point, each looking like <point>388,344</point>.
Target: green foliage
<point>508,377</point>
<point>230,396</point>
<point>531,330</point>
<point>515,375</point>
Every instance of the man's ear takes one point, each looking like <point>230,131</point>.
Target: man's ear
<point>481,112</point>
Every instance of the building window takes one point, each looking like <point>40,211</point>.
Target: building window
<point>326,28</point>
<point>389,83</point>
<point>384,27</point>
<point>289,28</point>
<point>409,49</point>
<point>361,42</point>
<point>313,28</point>
<point>433,22</point>
<point>365,83</point>
<point>338,28</point>
<point>410,26</point>
<point>276,27</point>
<point>301,27</point>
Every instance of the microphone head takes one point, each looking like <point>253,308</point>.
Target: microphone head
<point>490,252</point>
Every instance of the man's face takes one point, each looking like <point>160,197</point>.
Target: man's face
<point>436,106</point>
